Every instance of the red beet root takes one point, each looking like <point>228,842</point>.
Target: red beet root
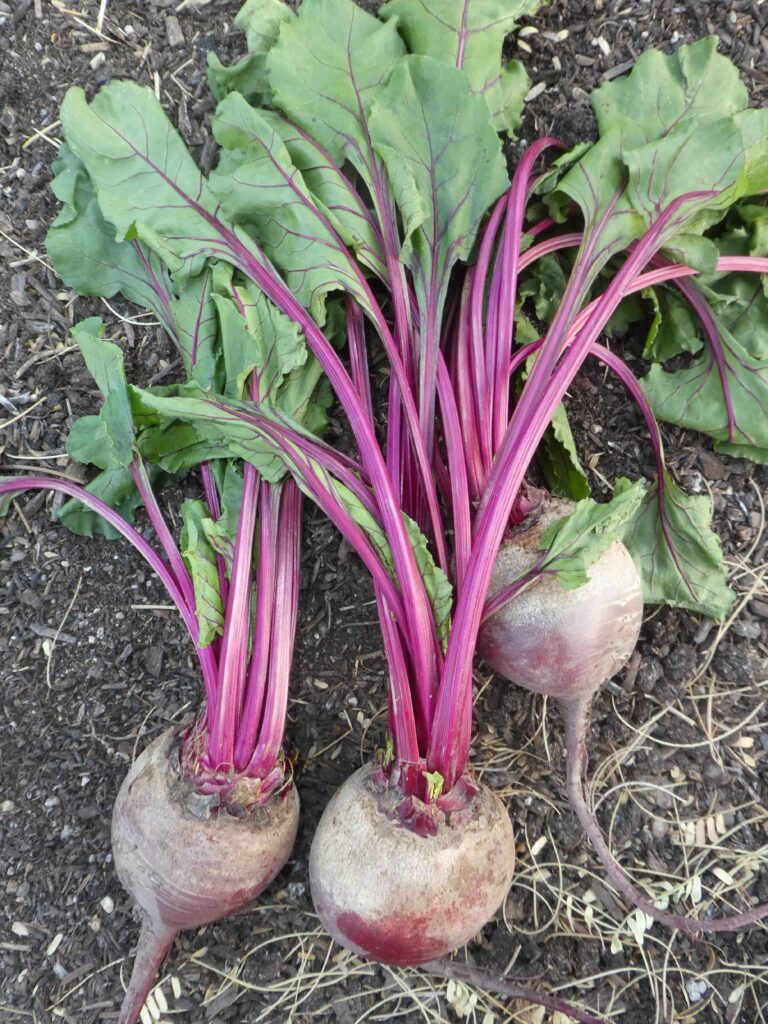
<point>566,644</point>
<point>185,870</point>
<point>563,643</point>
<point>391,895</point>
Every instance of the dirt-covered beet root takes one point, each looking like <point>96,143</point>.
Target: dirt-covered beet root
<point>563,643</point>
<point>185,865</point>
<point>392,895</point>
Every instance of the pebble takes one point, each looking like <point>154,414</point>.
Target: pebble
<point>7,807</point>
<point>681,662</point>
<point>20,929</point>
<point>107,904</point>
<point>696,989</point>
<point>659,828</point>
<point>749,630</point>
<point>153,660</point>
<point>648,674</point>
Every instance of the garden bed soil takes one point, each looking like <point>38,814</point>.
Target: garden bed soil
<point>93,664</point>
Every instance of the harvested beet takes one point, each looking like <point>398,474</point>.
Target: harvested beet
<point>562,643</point>
<point>566,644</point>
<point>403,898</point>
<point>185,862</point>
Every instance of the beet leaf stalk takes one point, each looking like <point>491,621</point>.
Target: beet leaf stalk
<point>208,813</point>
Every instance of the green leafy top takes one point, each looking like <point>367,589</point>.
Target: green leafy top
<point>468,34</point>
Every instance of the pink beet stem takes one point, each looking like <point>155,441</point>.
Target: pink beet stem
<point>155,939</point>
<point>576,715</point>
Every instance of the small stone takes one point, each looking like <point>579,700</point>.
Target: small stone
<point>712,467</point>
<point>107,904</point>
<point>662,798</point>
<point>20,929</point>
<point>7,807</point>
<point>681,662</point>
<point>749,630</point>
<point>696,989</point>
<point>51,802</point>
<point>659,828</point>
<point>648,674</point>
<point>153,660</point>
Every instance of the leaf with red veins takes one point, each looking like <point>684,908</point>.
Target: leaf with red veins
<point>469,34</point>
<point>261,189</point>
<point>724,392</point>
<point>147,184</point>
<point>344,205</point>
<point>325,71</point>
<point>678,554</point>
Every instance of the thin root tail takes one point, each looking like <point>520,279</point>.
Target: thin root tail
<point>576,717</point>
<point>155,940</point>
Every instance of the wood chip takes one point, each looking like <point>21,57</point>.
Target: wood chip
<point>618,69</point>
<point>173,31</point>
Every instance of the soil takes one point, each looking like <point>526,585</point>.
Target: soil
<point>93,664</point>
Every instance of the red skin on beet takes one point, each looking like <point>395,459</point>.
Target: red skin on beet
<point>184,870</point>
<point>562,643</point>
<point>403,899</point>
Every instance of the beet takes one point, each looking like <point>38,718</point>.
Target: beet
<point>185,865</point>
<point>392,895</point>
<point>566,644</point>
<point>562,643</point>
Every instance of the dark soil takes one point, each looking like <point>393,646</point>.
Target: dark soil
<point>74,712</point>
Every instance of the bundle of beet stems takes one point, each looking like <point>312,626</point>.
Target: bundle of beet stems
<point>362,201</point>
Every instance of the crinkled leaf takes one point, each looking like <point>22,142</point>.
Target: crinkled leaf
<point>557,454</point>
<point>326,69</point>
<point>514,87</point>
<point>191,426</point>
<point>575,542</point>
<point>260,188</point>
<point>678,554</point>
<point>545,283</point>
<point>678,125</point>
<point>436,583</point>
<point>84,253</point>
<point>674,328</point>
<point>728,156</point>
<point>261,21</point>
<point>221,534</point>
<point>255,338</point>
<point>665,89</point>
<point>468,34</point>
<point>200,559</point>
<point>116,487</point>
<point>445,164</point>
<point>147,183</point>
<point>559,459</point>
<point>335,194</point>
<point>105,440</point>
<point>196,328</point>
<point>93,440</point>
<point>695,397</point>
